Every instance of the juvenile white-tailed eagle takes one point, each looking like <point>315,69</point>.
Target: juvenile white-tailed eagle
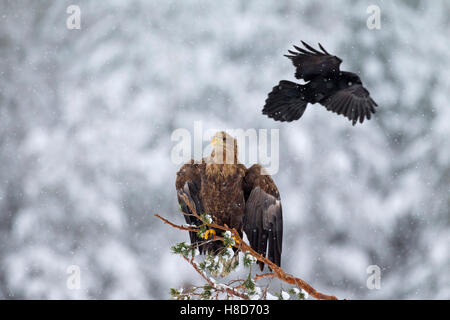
<point>244,199</point>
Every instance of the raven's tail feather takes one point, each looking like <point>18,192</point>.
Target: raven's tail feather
<point>286,102</point>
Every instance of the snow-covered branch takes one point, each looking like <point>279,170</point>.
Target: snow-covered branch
<point>216,265</point>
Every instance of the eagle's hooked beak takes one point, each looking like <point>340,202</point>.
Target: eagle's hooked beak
<point>216,141</point>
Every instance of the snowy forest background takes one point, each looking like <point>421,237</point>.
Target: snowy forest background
<point>86,118</point>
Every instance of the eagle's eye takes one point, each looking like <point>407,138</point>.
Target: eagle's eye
<point>350,83</point>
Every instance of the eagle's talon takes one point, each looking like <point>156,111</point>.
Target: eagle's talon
<point>208,232</point>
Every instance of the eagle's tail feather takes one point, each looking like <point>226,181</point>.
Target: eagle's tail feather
<point>286,102</point>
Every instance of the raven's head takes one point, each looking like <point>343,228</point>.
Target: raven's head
<point>351,78</point>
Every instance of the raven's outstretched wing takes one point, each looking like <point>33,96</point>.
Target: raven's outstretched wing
<point>263,221</point>
<point>353,102</point>
<point>311,62</point>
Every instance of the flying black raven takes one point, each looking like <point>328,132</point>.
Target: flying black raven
<point>339,91</point>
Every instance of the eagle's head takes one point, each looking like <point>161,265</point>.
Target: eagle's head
<point>225,149</point>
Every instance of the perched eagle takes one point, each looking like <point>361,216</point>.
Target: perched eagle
<point>339,91</point>
<point>241,198</point>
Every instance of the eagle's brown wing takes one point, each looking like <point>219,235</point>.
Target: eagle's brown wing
<point>353,102</point>
<point>263,221</point>
<point>188,185</point>
<point>311,62</point>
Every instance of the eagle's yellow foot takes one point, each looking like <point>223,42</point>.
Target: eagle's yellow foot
<point>209,232</point>
<point>235,241</point>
